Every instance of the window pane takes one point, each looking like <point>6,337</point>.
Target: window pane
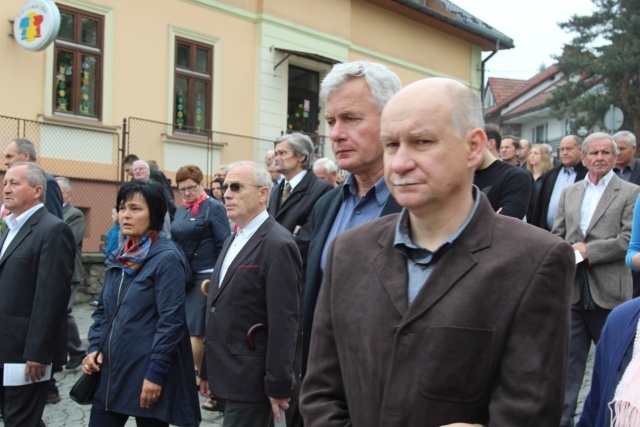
<point>90,32</point>
<point>183,55</point>
<point>88,86</point>
<point>66,26</point>
<point>201,90</point>
<point>182,95</point>
<point>202,60</point>
<point>64,82</point>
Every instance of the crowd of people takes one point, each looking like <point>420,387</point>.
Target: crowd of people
<point>453,277</point>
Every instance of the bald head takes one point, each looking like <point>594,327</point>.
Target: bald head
<point>463,104</point>
<point>433,139</point>
<point>141,170</point>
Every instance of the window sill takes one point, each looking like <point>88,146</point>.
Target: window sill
<point>184,137</point>
<point>78,123</point>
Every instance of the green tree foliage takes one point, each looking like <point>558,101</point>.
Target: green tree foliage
<point>601,65</point>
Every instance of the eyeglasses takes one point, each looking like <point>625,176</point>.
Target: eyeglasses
<point>281,153</point>
<point>236,187</point>
<point>189,189</point>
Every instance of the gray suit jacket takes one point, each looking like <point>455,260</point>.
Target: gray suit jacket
<point>607,239</point>
<point>75,220</point>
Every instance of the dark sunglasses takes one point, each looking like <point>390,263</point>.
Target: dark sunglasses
<point>235,187</point>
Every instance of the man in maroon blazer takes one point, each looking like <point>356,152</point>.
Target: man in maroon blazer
<point>253,306</point>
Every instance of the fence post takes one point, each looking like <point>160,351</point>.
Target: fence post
<point>123,148</point>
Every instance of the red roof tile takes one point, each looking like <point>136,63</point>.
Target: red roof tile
<point>529,84</point>
<point>502,88</point>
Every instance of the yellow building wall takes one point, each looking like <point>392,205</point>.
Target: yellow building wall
<point>329,16</point>
<point>375,29</point>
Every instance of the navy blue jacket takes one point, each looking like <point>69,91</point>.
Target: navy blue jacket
<point>150,326</point>
<point>324,213</point>
<point>616,338</point>
<point>186,230</point>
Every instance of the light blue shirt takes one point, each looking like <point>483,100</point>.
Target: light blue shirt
<point>592,195</point>
<point>566,177</point>
<point>421,261</point>
<point>355,210</point>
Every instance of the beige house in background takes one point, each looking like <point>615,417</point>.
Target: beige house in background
<point>208,82</point>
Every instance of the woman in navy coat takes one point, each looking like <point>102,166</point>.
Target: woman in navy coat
<point>146,365</point>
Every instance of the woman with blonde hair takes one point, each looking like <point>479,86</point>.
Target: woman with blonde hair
<point>539,163</point>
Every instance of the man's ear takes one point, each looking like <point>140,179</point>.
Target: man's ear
<point>476,141</point>
<point>38,192</point>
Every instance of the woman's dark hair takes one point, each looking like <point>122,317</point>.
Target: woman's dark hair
<point>153,194</point>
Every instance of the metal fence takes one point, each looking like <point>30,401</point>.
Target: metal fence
<point>88,157</point>
<point>172,147</point>
<point>92,158</point>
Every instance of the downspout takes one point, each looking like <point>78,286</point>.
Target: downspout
<point>484,61</point>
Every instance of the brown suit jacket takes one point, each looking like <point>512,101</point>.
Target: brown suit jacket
<point>485,341</point>
<point>607,239</point>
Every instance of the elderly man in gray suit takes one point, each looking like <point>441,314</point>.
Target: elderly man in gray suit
<point>595,216</point>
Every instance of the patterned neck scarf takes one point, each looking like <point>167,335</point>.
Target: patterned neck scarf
<point>132,255</point>
<point>195,206</point>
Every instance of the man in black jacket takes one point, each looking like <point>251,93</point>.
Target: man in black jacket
<point>155,175</point>
<point>355,94</point>
<point>572,170</point>
<point>293,199</point>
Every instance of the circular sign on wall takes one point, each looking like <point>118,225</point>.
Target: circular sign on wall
<point>36,24</point>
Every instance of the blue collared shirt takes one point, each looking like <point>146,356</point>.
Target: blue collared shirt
<point>566,177</point>
<point>355,210</point>
<point>626,172</point>
<point>421,261</point>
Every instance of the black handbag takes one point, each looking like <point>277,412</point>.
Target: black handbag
<point>83,390</point>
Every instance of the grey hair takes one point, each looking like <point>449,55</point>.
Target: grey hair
<point>325,163</point>
<point>65,183</point>
<point>625,136</point>
<point>383,83</point>
<point>146,165</point>
<point>261,176</point>
<point>35,177</point>
<point>596,136</point>
<point>466,109</point>
<point>25,146</point>
<point>301,145</point>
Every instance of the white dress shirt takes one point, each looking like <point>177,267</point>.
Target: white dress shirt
<point>592,195</point>
<point>296,179</point>
<point>240,239</point>
<point>14,224</point>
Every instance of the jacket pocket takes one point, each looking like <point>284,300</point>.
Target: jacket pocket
<point>455,363</point>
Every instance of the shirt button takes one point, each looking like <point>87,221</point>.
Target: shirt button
<point>358,212</point>
<point>213,309</point>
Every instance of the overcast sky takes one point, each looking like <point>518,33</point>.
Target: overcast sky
<point>533,26</point>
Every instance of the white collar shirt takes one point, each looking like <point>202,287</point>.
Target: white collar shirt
<point>240,239</point>
<point>592,195</point>
<point>14,224</point>
<point>296,179</point>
